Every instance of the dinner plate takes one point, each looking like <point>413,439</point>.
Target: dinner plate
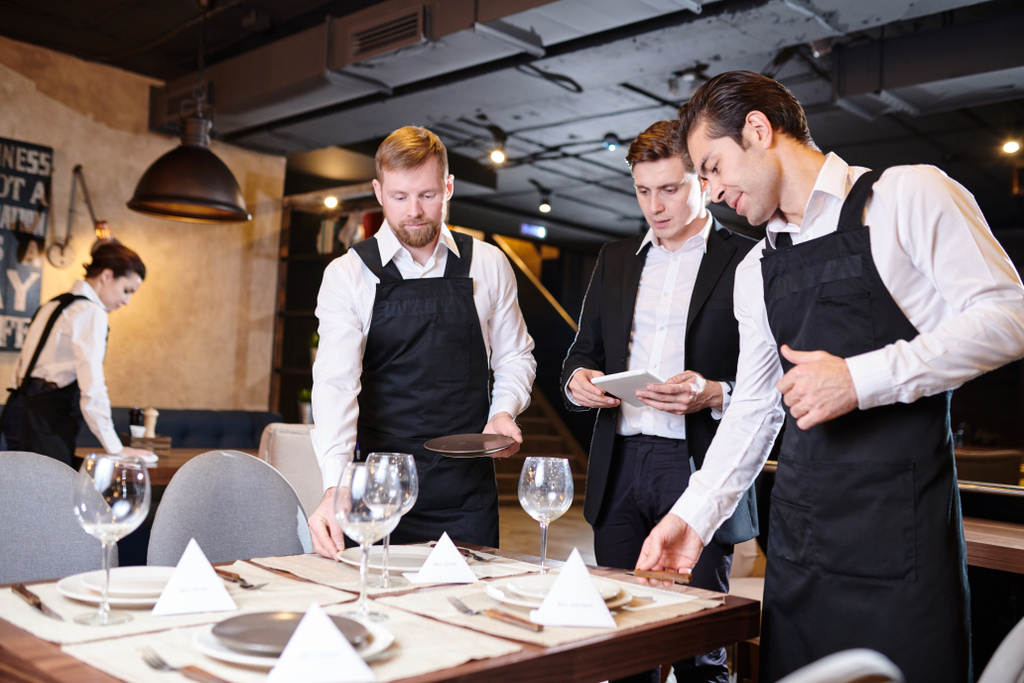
<point>130,582</point>
<point>73,588</point>
<point>266,633</point>
<point>401,558</point>
<point>207,643</point>
<point>469,445</point>
<point>500,591</point>
<point>536,587</point>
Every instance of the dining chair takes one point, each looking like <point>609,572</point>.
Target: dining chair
<point>289,449</point>
<point>849,666</point>
<point>236,507</point>
<point>41,537</point>
<point>1007,663</point>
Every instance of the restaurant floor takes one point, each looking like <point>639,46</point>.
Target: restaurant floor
<point>521,533</point>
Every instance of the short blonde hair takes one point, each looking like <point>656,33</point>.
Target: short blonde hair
<point>410,147</point>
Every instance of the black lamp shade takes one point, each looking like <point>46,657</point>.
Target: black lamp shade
<point>190,183</point>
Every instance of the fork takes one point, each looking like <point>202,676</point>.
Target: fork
<point>194,673</point>
<point>494,614</point>
<point>237,578</point>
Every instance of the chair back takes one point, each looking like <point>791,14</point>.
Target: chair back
<point>41,538</point>
<point>1007,664</point>
<point>848,666</point>
<point>236,507</point>
<point>289,449</point>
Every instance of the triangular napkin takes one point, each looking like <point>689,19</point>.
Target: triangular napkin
<point>194,587</point>
<point>319,653</point>
<point>573,599</point>
<point>445,564</point>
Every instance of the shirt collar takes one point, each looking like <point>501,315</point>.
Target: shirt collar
<point>83,288</point>
<point>651,238</point>
<point>389,245</point>
<point>832,181</point>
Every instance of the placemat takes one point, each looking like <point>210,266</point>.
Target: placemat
<point>280,593</point>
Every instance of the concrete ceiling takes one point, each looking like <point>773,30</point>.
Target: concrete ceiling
<point>883,82</point>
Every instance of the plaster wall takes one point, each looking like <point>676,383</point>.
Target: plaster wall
<point>199,332</point>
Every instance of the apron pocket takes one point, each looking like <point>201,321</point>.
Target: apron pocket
<point>789,532</point>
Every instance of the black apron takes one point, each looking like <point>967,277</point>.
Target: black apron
<point>425,374</point>
<point>866,541</point>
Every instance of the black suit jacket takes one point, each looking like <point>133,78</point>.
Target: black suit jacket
<point>712,348</point>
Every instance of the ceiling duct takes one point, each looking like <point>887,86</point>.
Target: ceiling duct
<point>980,63</point>
<point>403,30</point>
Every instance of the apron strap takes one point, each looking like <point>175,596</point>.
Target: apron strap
<point>851,216</point>
<point>459,267</point>
<point>369,252</point>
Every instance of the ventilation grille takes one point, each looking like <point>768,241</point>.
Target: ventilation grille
<point>399,31</point>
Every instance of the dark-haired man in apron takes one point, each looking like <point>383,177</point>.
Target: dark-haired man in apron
<point>413,321</point>
<point>873,295</point>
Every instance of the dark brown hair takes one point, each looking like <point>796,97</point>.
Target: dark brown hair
<point>660,141</point>
<point>410,147</point>
<point>724,102</point>
<point>119,258</point>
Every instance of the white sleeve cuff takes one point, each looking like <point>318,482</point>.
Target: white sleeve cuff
<point>726,399</point>
<point>872,379</point>
<point>694,509</point>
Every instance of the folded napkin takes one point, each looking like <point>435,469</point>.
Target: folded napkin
<point>280,593</point>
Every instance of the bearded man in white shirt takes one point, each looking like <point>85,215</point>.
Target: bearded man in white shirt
<point>873,295</point>
<point>412,321</point>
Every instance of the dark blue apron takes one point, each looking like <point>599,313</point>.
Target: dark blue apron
<point>426,374</point>
<point>866,541</point>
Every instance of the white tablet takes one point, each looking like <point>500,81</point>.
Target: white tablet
<point>624,385</point>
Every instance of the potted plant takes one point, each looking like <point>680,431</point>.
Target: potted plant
<point>306,405</point>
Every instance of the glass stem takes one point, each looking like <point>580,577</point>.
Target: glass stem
<point>104,611</point>
<point>362,608</point>
<point>543,546</point>
<point>385,578</point>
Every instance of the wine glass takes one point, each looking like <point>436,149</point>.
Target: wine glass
<point>545,492</point>
<point>112,497</point>
<point>405,466</point>
<point>366,505</point>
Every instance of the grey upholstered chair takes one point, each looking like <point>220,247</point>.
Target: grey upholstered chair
<point>41,538</point>
<point>236,507</point>
<point>848,666</point>
<point>289,449</point>
<point>1007,664</point>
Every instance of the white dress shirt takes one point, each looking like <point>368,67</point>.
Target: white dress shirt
<point>74,350</point>
<point>944,269</point>
<point>344,309</point>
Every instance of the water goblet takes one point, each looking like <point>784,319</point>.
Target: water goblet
<point>366,504</point>
<point>111,498</point>
<point>545,492</point>
<point>405,465</point>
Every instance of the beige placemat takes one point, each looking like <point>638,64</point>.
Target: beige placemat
<point>434,603</point>
<point>421,646</point>
<point>346,577</point>
<point>280,593</point>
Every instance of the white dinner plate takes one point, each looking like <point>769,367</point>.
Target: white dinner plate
<point>72,587</point>
<point>207,643</point>
<point>130,582</point>
<point>500,591</point>
<point>536,586</point>
<point>401,558</point>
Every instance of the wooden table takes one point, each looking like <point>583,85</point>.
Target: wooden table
<point>161,473</point>
<point>995,545</point>
<point>23,657</point>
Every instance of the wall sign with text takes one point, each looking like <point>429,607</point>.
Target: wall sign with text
<point>25,172</point>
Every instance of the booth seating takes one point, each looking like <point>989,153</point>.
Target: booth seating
<point>213,429</point>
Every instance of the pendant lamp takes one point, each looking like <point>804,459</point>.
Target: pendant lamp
<point>190,183</point>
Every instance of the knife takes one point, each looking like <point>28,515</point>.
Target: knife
<point>33,599</point>
<point>229,576</point>
<point>512,619</point>
<point>661,574</point>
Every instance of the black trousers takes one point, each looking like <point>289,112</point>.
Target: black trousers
<point>648,475</point>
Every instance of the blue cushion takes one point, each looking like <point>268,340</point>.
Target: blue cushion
<point>212,429</point>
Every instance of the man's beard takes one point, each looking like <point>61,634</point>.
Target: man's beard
<point>420,238</point>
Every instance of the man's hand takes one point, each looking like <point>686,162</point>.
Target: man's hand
<point>818,388</point>
<point>505,424</point>
<point>671,545</point>
<point>323,527</point>
<point>684,393</point>
<point>588,394</point>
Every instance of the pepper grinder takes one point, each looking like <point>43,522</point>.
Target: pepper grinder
<point>149,416</point>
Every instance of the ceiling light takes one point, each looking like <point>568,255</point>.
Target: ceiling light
<point>331,202</point>
<point>498,151</point>
<point>611,142</point>
<point>1011,147</point>
<point>545,203</point>
<point>498,155</point>
<point>190,183</point>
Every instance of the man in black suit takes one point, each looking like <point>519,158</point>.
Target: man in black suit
<point>662,302</point>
